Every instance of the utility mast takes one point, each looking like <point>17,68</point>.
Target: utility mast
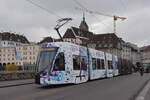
<point>60,23</point>
<point>115,18</point>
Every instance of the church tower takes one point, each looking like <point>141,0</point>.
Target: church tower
<point>83,25</point>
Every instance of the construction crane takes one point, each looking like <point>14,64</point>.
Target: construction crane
<point>115,18</point>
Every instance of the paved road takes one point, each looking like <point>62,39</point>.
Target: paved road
<point>147,97</point>
<point>118,88</point>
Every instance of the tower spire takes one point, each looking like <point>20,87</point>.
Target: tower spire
<point>83,16</point>
<point>83,24</point>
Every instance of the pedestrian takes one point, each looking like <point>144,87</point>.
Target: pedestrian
<point>140,68</point>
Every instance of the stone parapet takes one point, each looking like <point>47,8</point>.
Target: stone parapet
<point>16,75</point>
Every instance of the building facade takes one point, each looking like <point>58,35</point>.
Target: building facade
<point>145,54</point>
<point>126,51</point>
<point>19,55</point>
<point>8,39</point>
<point>135,53</point>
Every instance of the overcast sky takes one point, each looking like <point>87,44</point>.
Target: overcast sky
<point>22,17</point>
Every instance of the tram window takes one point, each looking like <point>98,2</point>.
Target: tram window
<point>116,64</point>
<point>110,65</point>
<point>98,64</point>
<point>79,62</point>
<point>102,64</point>
<point>94,63</point>
<point>76,63</point>
<point>59,63</point>
<point>83,63</point>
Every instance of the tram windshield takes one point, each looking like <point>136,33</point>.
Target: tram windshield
<point>46,59</point>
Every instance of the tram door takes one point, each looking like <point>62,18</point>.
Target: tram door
<point>115,68</point>
<point>79,69</point>
<point>109,65</point>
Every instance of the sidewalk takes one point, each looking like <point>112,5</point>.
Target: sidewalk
<point>144,94</point>
<point>147,97</point>
<point>15,82</point>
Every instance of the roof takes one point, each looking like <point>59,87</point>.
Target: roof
<point>108,40</point>
<point>133,46</point>
<point>145,49</point>
<point>7,36</point>
<point>74,32</point>
<point>69,34</point>
<point>46,40</point>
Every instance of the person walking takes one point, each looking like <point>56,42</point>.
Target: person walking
<point>140,68</point>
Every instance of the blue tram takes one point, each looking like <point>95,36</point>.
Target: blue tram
<point>64,63</point>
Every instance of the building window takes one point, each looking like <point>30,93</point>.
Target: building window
<point>24,48</point>
<point>24,58</point>
<point>25,53</point>
<point>34,57</point>
<point>99,45</point>
<point>110,45</point>
<point>105,45</point>
<point>34,53</point>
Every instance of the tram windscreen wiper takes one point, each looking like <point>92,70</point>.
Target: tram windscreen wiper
<point>46,59</point>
